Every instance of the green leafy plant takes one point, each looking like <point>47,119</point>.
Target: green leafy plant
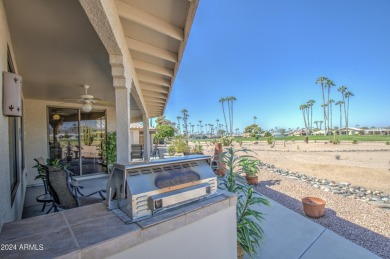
<point>306,139</point>
<point>88,135</point>
<point>226,140</point>
<point>249,231</point>
<point>171,150</point>
<point>269,140</point>
<point>250,166</point>
<point>354,141</point>
<point>197,148</point>
<point>109,149</point>
<point>239,142</point>
<point>337,157</point>
<point>180,145</point>
<point>387,142</point>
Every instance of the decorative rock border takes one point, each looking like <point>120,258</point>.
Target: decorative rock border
<point>377,198</point>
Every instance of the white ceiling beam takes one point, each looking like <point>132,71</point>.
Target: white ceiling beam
<point>154,94</point>
<point>155,108</point>
<point>130,13</point>
<point>153,80</point>
<point>154,88</point>
<point>151,50</point>
<point>152,68</point>
<point>150,99</point>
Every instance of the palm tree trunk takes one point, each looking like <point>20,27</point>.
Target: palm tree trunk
<point>328,108</point>
<point>345,116</point>
<point>331,117</point>
<point>224,116</point>
<point>341,118</point>
<point>304,117</point>
<point>231,123</point>
<point>323,102</point>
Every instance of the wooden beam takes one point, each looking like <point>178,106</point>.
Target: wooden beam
<point>151,50</point>
<point>152,68</point>
<point>151,99</point>
<point>154,94</point>
<point>153,80</point>
<point>130,13</point>
<point>154,88</point>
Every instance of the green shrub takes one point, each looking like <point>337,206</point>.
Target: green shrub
<point>226,141</point>
<point>337,157</point>
<point>180,145</point>
<point>387,142</point>
<point>88,135</point>
<point>171,150</point>
<point>306,139</point>
<point>354,141</point>
<point>269,140</point>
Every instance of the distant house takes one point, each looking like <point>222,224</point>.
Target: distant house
<point>377,131</point>
<point>299,132</point>
<point>351,131</point>
<point>318,133</point>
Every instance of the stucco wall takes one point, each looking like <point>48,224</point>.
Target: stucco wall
<point>8,211</point>
<point>36,126</point>
<point>213,236</point>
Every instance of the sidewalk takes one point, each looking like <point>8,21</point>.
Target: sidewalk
<point>292,236</point>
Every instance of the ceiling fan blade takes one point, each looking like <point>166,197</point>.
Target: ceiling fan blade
<point>101,102</point>
<point>72,100</point>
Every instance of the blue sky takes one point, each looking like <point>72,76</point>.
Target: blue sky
<point>268,54</point>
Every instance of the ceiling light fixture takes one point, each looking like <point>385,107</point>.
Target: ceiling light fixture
<point>87,106</point>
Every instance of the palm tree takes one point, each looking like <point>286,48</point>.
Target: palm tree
<point>254,119</point>
<point>178,124</point>
<point>316,122</point>
<point>200,127</point>
<point>311,103</point>
<point>230,100</point>
<point>321,124</point>
<point>302,107</point>
<point>341,114</point>
<point>322,80</point>
<point>222,100</point>
<point>329,84</point>
<point>342,90</point>
<point>185,124</point>
<point>347,95</point>
<point>217,124</point>
<point>330,124</point>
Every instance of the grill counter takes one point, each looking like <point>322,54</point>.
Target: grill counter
<point>137,191</point>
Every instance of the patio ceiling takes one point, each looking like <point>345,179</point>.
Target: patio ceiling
<point>156,33</point>
<point>57,49</point>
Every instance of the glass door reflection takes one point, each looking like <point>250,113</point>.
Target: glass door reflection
<point>64,143</point>
<point>76,139</point>
<point>92,129</point>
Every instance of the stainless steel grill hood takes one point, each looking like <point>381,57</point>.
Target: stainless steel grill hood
<point>140,190</point>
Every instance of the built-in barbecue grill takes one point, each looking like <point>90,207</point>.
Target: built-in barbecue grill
<point>140,190</point>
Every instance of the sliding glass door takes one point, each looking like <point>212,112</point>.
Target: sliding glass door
<point>75,138</point>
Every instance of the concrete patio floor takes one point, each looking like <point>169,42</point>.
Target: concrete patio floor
<point>287,234</point>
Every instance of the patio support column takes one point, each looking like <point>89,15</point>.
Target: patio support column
<point>147,139</point>
<point>123,140</point>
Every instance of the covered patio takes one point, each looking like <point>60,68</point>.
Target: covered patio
<point>127,53</point>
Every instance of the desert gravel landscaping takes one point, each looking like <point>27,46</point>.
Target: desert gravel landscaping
<point>364,164</point>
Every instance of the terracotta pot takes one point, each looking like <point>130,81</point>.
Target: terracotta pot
<point>252,180</point>
<point>219,167</point>
<point>313,207</point>
<point>240,252</point>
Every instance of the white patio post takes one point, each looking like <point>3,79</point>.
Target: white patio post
<point>123,141</point>
<point>147,139</point>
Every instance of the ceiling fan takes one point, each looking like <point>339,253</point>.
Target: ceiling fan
<point>88,100</point>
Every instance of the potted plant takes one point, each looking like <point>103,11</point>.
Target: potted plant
<point>313,207</point>
<point>217,164</point>
<point>249,232</point>
<point>250,167</point>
